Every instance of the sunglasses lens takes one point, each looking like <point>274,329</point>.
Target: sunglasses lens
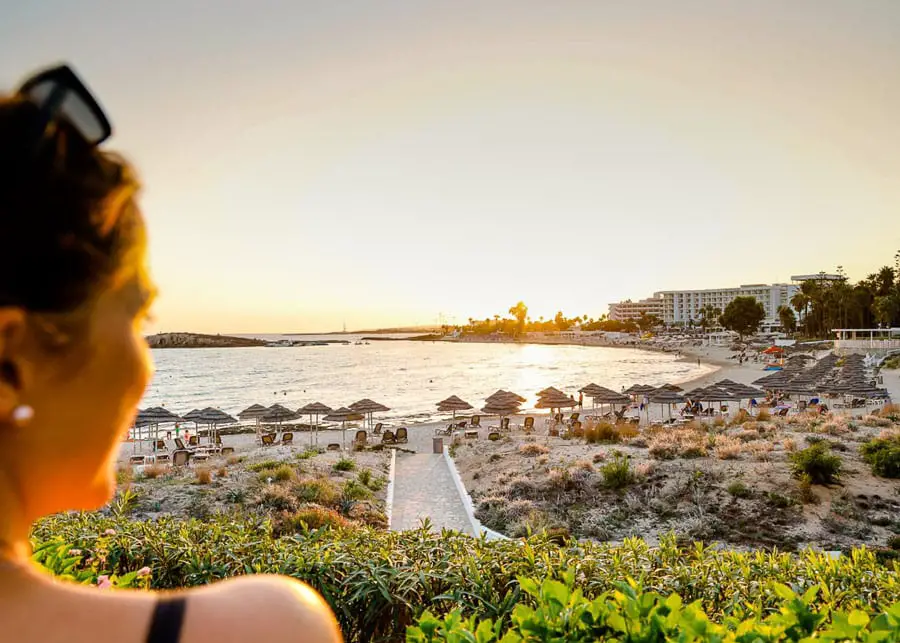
<point>74,108</point>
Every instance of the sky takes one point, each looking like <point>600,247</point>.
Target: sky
<point>379,163</point>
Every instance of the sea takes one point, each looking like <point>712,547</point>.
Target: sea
<point>409,377</point>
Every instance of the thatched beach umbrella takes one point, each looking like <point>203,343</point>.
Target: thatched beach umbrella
<point>504,395</point>
<point>555,399</point>
<point>155,416</point>
<point>314,409</point>
<point>253,412</point>
<point>279,414</point>
<point>502,407</point>
<point>454,404</point>
<point>368,407</point>
<point>344,415</point>
<point>213,417</point>
<point>666,398</point>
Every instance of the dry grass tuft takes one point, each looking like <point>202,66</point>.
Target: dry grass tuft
<point>727,447</point>
<point>763,415</point>
<point>532,450</point>
<point>789,444</point>
<point>760,449</point>
<point>685,442</point>
<point>203,475</point>
<point>153,471</point>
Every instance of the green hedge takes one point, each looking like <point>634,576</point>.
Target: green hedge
<point>378,583</point>
<point>628,615</point>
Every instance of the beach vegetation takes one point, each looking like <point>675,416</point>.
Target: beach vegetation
<point>234,459</point>
<point>308,518</point>
<point>883,455</point>
<point>153,471</point>
<point>344,464</point>
<point>817,462</point>
<point>739,490</point>
<point>265,464</point>
<point>277,498</point>
<point>319,490</point>
<point>379,583</point>
<point>787,318</point>
<point>354,490</point>
<point>617,473</point>
<point>533,449</point>
<point>203,475</point>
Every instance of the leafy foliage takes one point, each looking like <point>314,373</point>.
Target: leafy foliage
<point>818,463</point>
<point>561,612</point>
<point>379,582</point>
<point>883,455</point>
<point>743,315</point>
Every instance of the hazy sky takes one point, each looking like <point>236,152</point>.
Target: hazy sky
<point>379,163</point>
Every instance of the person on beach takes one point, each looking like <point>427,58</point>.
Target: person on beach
<point>74,292</point>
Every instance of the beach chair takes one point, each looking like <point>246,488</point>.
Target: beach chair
<point>504,424</point>
<point>333,446</point>
<point>461,426</point>
<point>573,418</point>
<point>361,439</point>
<point>554,431</point>
<point>448,431</point>
<point>388,437</point>
<point>287,438</point>
<point>199,456</point>
<point>493,436</point>
<point>268,439</point>
<point>194,441</point>
<point>476,421</point>
<point>137,459</point>
<point>402,435</point>
<point>528,427</point>
<point>160,445</point>
<point>783,412</point>
<point>226,451</point>
<point>180,457</point>
<point>377,429</point>
<point>179,444</point>
<point>577,431</point>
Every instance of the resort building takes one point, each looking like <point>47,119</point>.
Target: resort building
<point>684,306</point>
<point>632,310</point>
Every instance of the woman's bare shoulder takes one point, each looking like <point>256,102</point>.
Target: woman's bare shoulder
<point>258,608</point>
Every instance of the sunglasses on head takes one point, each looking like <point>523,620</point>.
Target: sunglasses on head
<point>61,96</point>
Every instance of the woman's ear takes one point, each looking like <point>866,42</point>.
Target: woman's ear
<point>12,332</point>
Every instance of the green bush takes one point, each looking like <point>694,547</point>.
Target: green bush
<point>265,464</point>
<point>353,490</point>
<point>281,473</point>
<point>319,490</point>
<point>883,455</point>
<point>617,474</point>
<point>344,464</point>
<point>739,490</point>
<point>558,611</point>
<point>818,463</point>
<point>379,582</point>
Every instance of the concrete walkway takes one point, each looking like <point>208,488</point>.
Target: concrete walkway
<point>424,488</point>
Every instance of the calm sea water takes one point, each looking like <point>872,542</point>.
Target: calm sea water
<point>408,377</point>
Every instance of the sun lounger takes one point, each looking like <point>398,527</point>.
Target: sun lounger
<point>402,435</point>
<point>504,424</point>
<point>180,457</point>
<point>333,446</point>
<point>361,439</point>
<point>268,439</point>
<point>476,421</point>
<point>471,434</point>
<point>493,436</point>
<point>377,429</point>
<point>577,431</point>
<point>137,459</point>
<point>448,431</point>
<point>388,437</point>
<point>528,427</point>
<point>194,441</point>
<point>573,419</point>
<point>287,438</point>
<point>461,425</point>
<point>226,451</point>
<point>554,431</point>
<point>199,456</point>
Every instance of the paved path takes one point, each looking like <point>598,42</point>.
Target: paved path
<point>424,488</point>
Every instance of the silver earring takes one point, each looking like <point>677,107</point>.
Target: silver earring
<point>22,414</point>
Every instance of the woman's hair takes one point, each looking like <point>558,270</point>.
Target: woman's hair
<point>68,222</point>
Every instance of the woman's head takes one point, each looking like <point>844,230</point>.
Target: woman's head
<point>73,291</point>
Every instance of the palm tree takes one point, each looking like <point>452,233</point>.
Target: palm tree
<point>800,302</point>
<point>519,312</point>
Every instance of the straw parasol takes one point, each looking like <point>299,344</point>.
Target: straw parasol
<point>344,415</point>
<point>671,387</point>
<point>453,404</point>
<point>213,417</point>
<point>666,398</point>
<point>314,409</point>
<point>368,407</point>
<point>502,407</point>
<point>555,399</point>
<point>504,395</point>
<point>253,412</point>
<point>155,416</point>
<point>278,413</point>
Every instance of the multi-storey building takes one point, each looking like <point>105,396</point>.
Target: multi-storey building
<point>625,310</point>
<point>684,306</point>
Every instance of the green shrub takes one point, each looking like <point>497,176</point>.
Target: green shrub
<point>353,490</point>
<point>344,464</point>
<point>318,490</point>
<point>617,473</point>
<point>308,453</point>
<point>739,490</point>
<point>365,477</point>
<point>277,498</point>
<point>265,464</point>
<point>311,517</point>
<point>883,455</point>
<point>601,432</point>
<point>817,462</point>
<point>378,582</point>
<point>559,611</point>
<point>894,542</point>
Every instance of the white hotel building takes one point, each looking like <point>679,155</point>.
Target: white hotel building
<point>684,306</point>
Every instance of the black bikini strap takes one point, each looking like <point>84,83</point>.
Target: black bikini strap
<point>165,627</point>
